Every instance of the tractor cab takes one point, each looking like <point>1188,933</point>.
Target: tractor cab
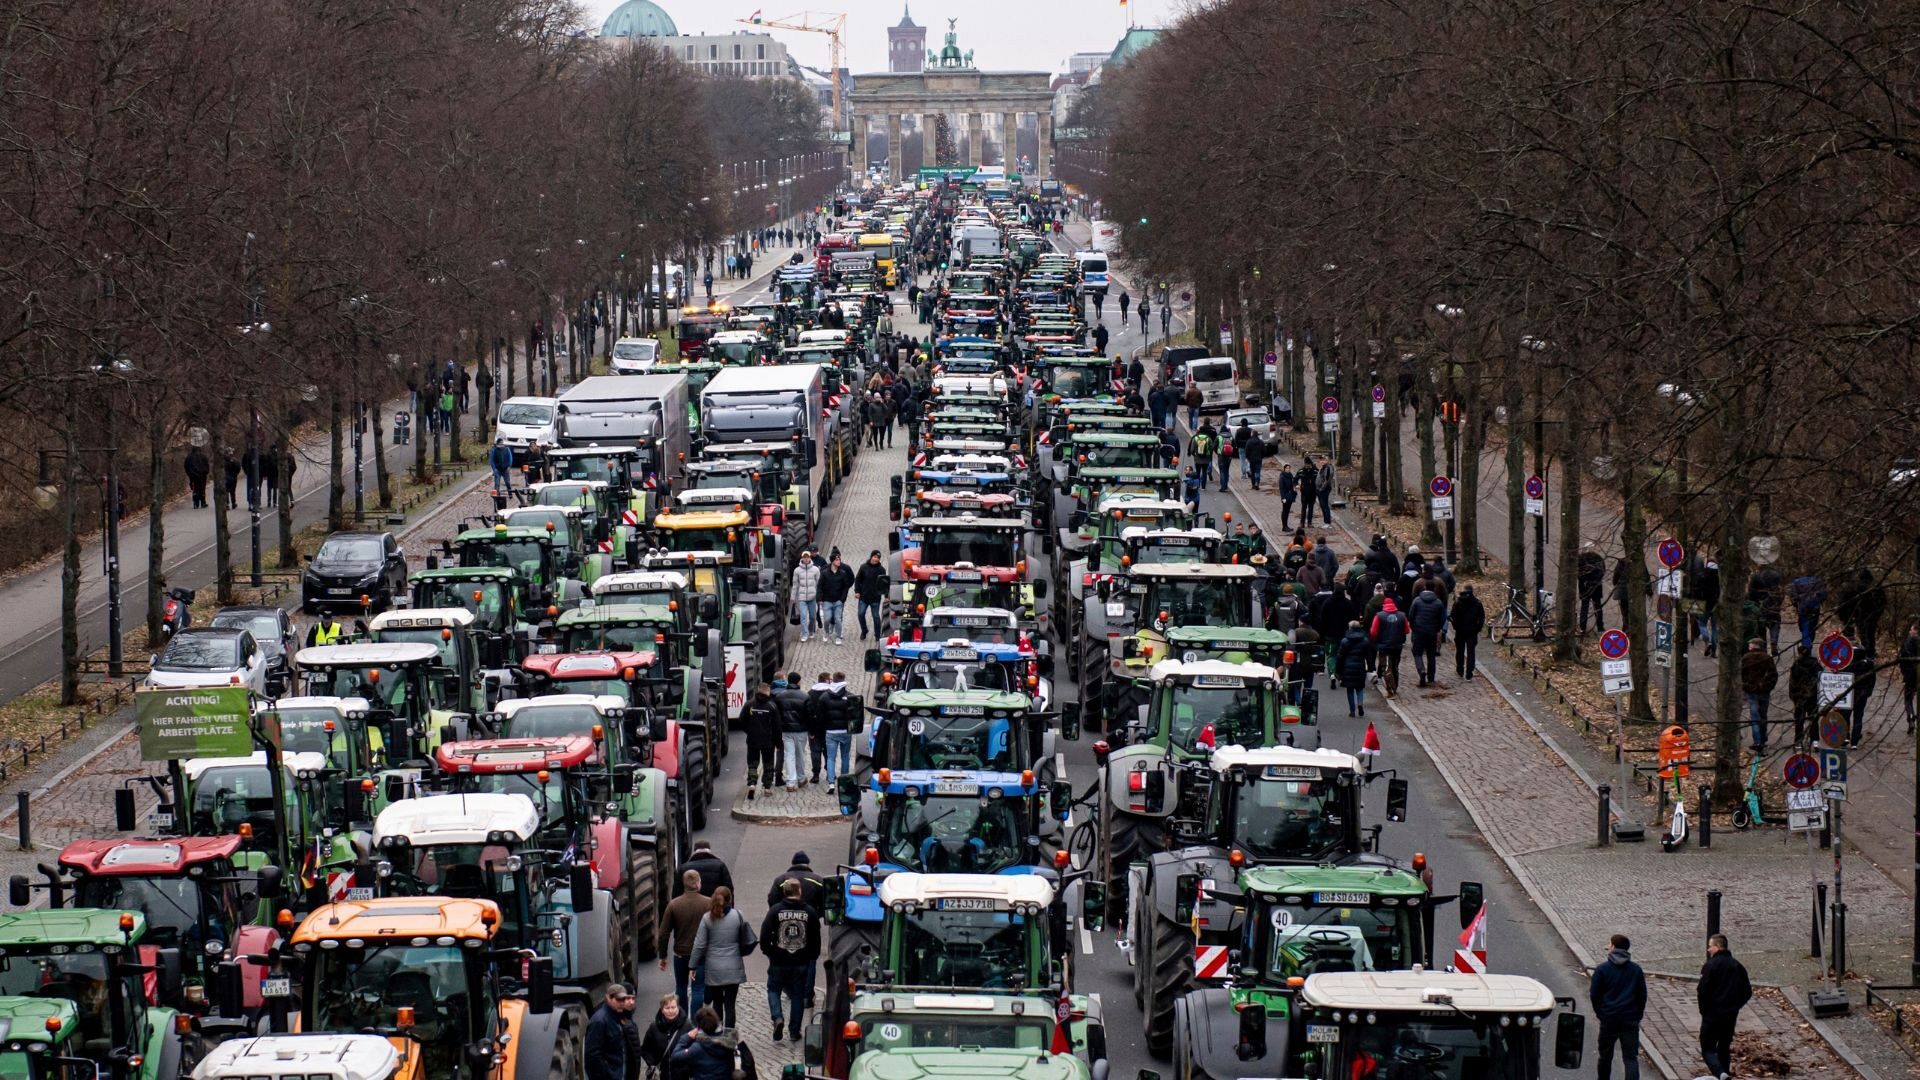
<point>975,730</point>
<point>957,663</point>
<point>90,967</point>
<point>36,1034</point>
<point>970,931</point>
<point>529,552</point>
<point>928,546</point>
<point>336,728</point>
<point>458,683</point>
<point>491,594</point>
<point>940,493</point>
<point>309,1054</point>
<point>411,693</point>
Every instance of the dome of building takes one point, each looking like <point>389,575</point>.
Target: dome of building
<point>639,18</point>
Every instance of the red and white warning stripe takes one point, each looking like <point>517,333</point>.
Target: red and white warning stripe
<point>629,517</point>
<point>338,882</point>
<point>1210,961</point>
<point>1471,957</point>
<point>606,546</point>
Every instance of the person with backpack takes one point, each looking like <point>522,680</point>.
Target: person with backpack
<point>720,951</point>
<point>791,932</point>
<point>1807,594</point>
<point>1803,690</point>
<point>1389,636</point>
<point>1242,435</point>
<point>1202,446</point>
<point>1351,659</point>
<point>709,1051</point>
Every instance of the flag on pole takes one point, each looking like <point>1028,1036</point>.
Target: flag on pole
<point>1062,1013</point>
<point>1471,957</point>
<point>755,17</point>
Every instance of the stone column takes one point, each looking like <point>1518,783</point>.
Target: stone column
<point>1043,168</point>
<point>859,145</point>
<point>893,146</point>
<point>1010,140</point>
<point>971,121</point>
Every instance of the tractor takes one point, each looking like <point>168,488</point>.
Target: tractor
<point>97,961</point>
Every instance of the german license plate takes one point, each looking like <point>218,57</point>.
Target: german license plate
<point>971,620</point>
<point>954,787</point>
<point>966,903</point>
<point>959,654</point>
<point>280,986</point>
<point>162,819</point>
<point>1359,899</point>
<point>1322,1033</point>
<point>359,894</point>
<point>339,592</point>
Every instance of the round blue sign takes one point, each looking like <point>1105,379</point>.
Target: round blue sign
<point>1379,392</point>
<point>1802,771</point>
<point>1536,488</point>
<point>1836,652</point>
<point>1441,487</point>
<point>1613,644</point>
<point>1329,404</point>
<point>1671,553</point>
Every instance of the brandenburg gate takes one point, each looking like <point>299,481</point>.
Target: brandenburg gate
<point>951,85</point>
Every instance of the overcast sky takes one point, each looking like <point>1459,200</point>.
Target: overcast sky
<point>1005,35</point>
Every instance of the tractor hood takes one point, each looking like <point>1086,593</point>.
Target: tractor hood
<point>958,1064</point>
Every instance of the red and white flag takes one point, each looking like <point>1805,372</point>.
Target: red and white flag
<point>1471,957</point>
<point>1062,1013</point>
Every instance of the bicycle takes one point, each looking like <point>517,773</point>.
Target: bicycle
<point>1748,813</point>
<point>1500,627</point>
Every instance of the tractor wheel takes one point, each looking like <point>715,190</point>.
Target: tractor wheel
<point>1167,972</point>
<point>643,883</point>
<point>621,965</point>
<point>1183,1066</point>
<point>848,951</point>
<point>566,1063</point>
<point>1126,848</point>
<point>718,723</point>
<point>693,771</point>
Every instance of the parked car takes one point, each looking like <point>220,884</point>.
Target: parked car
<point>272,630</point>
<point>201,656</point>
<point>350,566</point>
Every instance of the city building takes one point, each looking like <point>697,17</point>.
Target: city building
<point>1081,63</point>
<point>906,45</point>
<point>747,53</point>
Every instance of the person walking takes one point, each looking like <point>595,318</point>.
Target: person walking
<point>198,469</point>
<point>1768,591</point>
<point>1758,677</point>
<point>606,1043</point>
<point>1255,454</point>
<point>679,925</point>
<point>806,593</point>
<point>1389,636</point>
<point>1909,660</point>
<point>1100,337</point>
<point>1157,405</point>
<point>1865,675</point>
<point>835,584</point>
<point>791,933</point>
<point>1622,590</point>
<point>1143,316</point>
<point>1807,594</point>
<point>1618,993</point>
<point>1288,485</point>
<point>1351,659</point>
<point>762,721</point>
<point>720,950</point>
<point>1193,399</point>
<point>270,477</point>
<point>793,734</point>
<point>1242,435</point>
<point>813,887</point>
<point>871,585</point>
<point>1590,571</point>
<point>713,872</point>
<point>500,460</point>
<point>1323,488</point>
<point>1308,480</point>
<point>1193,485</point>
<point>834,710</point>
<point>1201,447</point>
<point>230,480</point>
<point>1723,991</point>
<point>1427,620</point>
<point>791,693</point>
<point>1469,617</point>
<point>670,1021</point>
<point>1803,691</point>
<point>707,1050</point>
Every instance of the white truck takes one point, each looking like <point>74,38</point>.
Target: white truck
<point>648,412</point>
<point>779,404</point>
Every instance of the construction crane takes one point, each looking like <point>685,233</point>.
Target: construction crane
<point>815,22</point>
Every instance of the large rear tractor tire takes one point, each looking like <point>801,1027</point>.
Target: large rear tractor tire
<point>1167,973</point>
<point>698,783</point>
<point>643,881</point>
<point>1126,848</point>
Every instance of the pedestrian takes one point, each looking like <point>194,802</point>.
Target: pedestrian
<point>837,712</point>
<point>1469,617</point>
<point>1426,621</point>
<point>1862,605</point>
<point>1724,990</point>
<point>720,950</point>
<point>1590,571</point>
<point>1254,455</point>
<point>813,887</point>
<point>762,721</point>
<point>1288,485</point>
<point>1807,593</point>
<point>1223,450</point>
<point>1194,399</point>
<point>1100,338</point>
<point>270,476</point>
<point>670,1020</point>
<point>483,382</point>
<point>1909,660</point>
<point>1323,487</point>
<point>326,630</point>
<point>707,1050</point>
<point>1242,435</point>
<point>230,477</point>
<point>806,593</point>
<point>1768,591</point>
<point>1618,993</point>
<point>679,923</point>
<point>835,584</point>
<point>871,586</point>
<point>500,460</point>
<point>1622,590</point>
<point>791,932</point>
<point>1758,677</point>
<point>1803,690</point>
<point>1308,482</point>
<point>606,1043</point>
<point>1865,674</point>
<point>1157,405</point>
<point>198,469</point>
<point>1389,635</point>
<point>1193,485</point>
<point>793,732</point>
<point>1125,302</point>
<point>465,391</point>
<point>1136,371</point>
<point>713,872</point>
<point>1143,316</point>
<point>1351,659</point>
<point>1201,447</point>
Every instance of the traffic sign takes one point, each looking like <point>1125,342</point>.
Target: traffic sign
<point>1836,690</point>
<point>1614,668</point>
<point>1833,728</point>
<point>1663,658</point>
<point>1536,487</point>
<point>1619,684</point>
<point>1379,410</point>
<point>1441,487</point>
<point>1330,405</point>
<point>1667,583</point>
<point>1662,635</point>
<point>1671,553</point>
<point>1379,392</point>
<point>1833,766</point>
<point>1802,771</point>
<point>1613,644</point>
<point>1836,652</point>
<point>1442,508</point>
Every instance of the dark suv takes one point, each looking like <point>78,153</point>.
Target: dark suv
<point>1175,357</point>
<point>352,565</point>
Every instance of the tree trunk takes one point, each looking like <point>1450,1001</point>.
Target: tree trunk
<point>222,542</point>
<point>283,479</point>
<point>1349,379</point>
<point>381,480</point>
<point>1390,431</point>
<point>1566,581</point>
<point>1369,432</point>
<point>70,564</point>
<point>1511,398</point>
<point>156,518</point>
<point>1473,439</point>
<point>336,477</point>
<point>453,430</point>
<point>419,434</point>
<point>1429,459</point>
<point>1633,543</point>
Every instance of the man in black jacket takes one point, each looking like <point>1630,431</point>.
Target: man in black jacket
<point>790,936</point>
<point>836,581</point>
<point>1724,991</point>
<point>832,709</point>
<point>1427,620</point>
<point>606,1047</point>
<point>871,586</point>
<point>813,888</point>
<point>1469,617</point>
<point>762,721</point>
<point>713,873</point>
<point>1618,991</point>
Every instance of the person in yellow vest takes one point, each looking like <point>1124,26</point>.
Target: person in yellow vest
<point>326,630</point>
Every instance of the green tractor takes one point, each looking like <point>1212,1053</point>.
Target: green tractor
<point>892,1035</point>
<point>545,571</point>
<point>97,961</point>
<point>468,653</point>
<point>492,594</point>
<point>414,698</point>
<point>1141,607</point>
<point>36,1036</point>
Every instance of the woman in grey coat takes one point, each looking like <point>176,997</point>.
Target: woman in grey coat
<point>720,951</point>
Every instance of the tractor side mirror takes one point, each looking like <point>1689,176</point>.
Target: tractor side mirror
<point>540,985</point>
<point>1310,707</point>
<point>270,882</point>
<point>228,1000</point>
<point>709,608</point>
<point>1186,892</point>
<point>849,792</point>
<point>623,780</point>
<point>1060,799</point>
<point>1103,589</point>
<point>433,562</point>
<point>871,661</point>
<point>893,507</point>
<point>1396,799</point>
<point>167,966</point>
<point>834,902</point>
<point>1070,720</point>
<point>396,788</point>
<point>1093,907</point>
<point>123,815</point>
<point>893,540</point>
<point>1154,792</point>
<point>1040,588</point>
<point>1569,1040</point>
<point>1473,897</point>
<point>353,801</point>
<point>1253,1032</point>
<point>19,892</point>
<point>580,886</point>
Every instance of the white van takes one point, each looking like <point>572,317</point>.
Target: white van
<point>523,421</point>
<point>1214,376</point>
<point>634,356</point>
<point>1093,270</point>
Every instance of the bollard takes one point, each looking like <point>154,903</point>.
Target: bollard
<point>1839,949</point>
<point>1606,815</point>
<point>26,825</point>
<point>1819,914</point>
<point>1713,912</point>
<point>1706,818</point>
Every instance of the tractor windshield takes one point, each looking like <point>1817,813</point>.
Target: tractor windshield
<point>660,597</point>
<point>936,676</point>
<point>1204,601</point>
<point>82,978</point>
<point>526,556</point>
<point>974,744</point>
<point>228,796</point>
<point>911,1031</point>
<point>448,645</point>
<point>1337,937</point>
<point>384,688</point>
<point>486,599</point>
<point>1276,820</point>
<point>465,871</point>
<point>306,731</point>
<point>973,594</point>
<point>1229,714</point>
<point>981,547</point>
<point>1120,455</point>
<point>1449,1048</point>
<point>549,798</point>
<point>619,637</point>
<point>976,949</point>
<point>550,721</point>
<point>583,467</point>
<point>951,834</point>
<point>364,989</point>
<point>609,685</point>
<point>171,903</point>
<point>1079,381</point>
<point>697,539</point>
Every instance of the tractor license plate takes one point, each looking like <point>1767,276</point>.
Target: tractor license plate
<point>1323,1033</point>
<point>954,787</point>
<point>966,903</point>
<point>162,819</point>
<point>1358,899</point>
<point>276,987</point>
<point>959,654</point>
<point>972,620</point>
<point>359,894</point>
